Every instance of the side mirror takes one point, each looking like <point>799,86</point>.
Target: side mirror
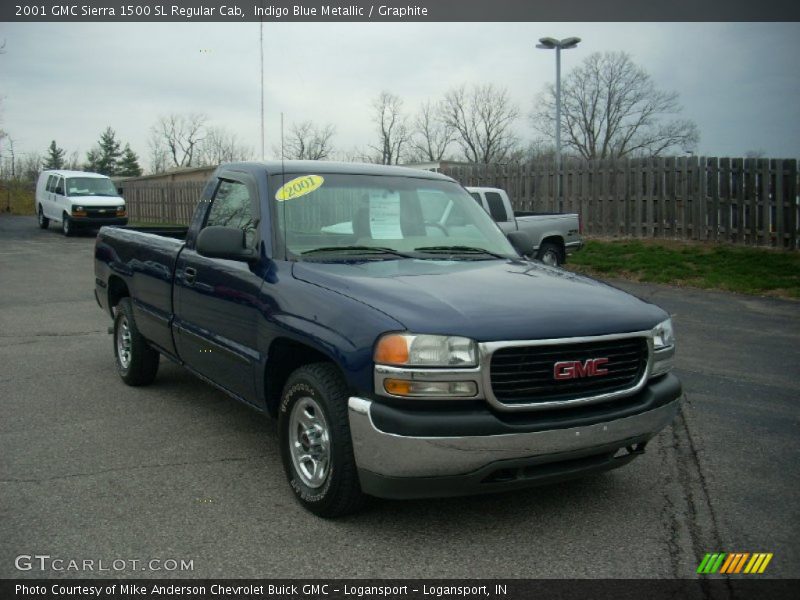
<point>522,242</point>
<point>223,242</point>
<point>60,191</point>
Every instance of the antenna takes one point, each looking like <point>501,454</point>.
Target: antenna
<point>261,46</point>
<point>283,183</point>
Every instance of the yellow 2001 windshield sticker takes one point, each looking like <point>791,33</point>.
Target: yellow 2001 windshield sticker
<point>299,186</point>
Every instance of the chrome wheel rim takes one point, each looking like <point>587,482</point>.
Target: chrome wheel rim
<point>309,442</point>
<point>550,258</point>
<point>124,343</point>
<point>65,225</point>
<point>41,217</point>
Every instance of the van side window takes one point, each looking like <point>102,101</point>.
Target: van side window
<point>60,186</point>
<point>232,206</point>
<point>496,208</point>
<point>51,183</point>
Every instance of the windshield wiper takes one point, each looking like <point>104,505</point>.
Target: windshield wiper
<point>358,250</point>
<point>457,250</point>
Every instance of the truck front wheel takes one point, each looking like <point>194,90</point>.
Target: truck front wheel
<point>551,254</point>
<point>66,225</point>
<point>137,362</point>
<point>316,447</point>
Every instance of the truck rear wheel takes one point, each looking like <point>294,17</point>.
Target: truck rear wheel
<point>316,447</point>
<point>551,254</point>
<point>137,362</point>
<point>44,222</point>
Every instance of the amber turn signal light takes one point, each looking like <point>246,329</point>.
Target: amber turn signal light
<point>392,350</point>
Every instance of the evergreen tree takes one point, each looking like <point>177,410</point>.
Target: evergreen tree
<point>103,157</point>
<point>92,160</point>
<point>109,152</point>
<point>128,165</point>
<point>55,157</point>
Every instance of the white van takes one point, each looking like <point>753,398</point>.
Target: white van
<point>78,199</point>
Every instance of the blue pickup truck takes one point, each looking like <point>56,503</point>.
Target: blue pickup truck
<point>412,353</point>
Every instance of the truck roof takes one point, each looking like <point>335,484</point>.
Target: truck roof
<point>65,173</point>
<point>274,167</point>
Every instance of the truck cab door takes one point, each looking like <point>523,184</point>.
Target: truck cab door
<point>60,204</point>
<point>499,212</point>
<point>47,197</point>
<point>217,300</point>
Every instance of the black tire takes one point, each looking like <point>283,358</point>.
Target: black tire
<point>320,385</point>
<point>551,254</point>
<point>66,225</point>
<point>140,366</point>
<point>44,222</point>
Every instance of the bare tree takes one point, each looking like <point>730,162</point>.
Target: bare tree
<point>73,163</point>
<point>307,141</point>
<point>611,107</point>
<point>483,118</point>
<point>221,146</point>
<point>432,135</point>
<point>159,155</point>
<point>354,154</point>
<point>30,165</point>
<point>181,135</point>
<point>392,128</point>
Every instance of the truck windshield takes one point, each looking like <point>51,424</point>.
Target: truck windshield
<point>90,186</point>
<point>366,214</point>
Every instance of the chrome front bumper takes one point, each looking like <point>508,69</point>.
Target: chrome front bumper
<point>382,456</point>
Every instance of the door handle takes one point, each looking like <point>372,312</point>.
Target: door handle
<point>189,275</point>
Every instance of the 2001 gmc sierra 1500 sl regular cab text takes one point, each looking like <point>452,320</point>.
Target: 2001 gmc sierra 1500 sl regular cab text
<point>410,356</point>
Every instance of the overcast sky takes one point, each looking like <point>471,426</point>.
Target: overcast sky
<point>739,82</point>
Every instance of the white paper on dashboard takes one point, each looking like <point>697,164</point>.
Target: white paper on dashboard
<point>384,217</point>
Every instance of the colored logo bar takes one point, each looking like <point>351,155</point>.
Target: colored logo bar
<point>732,563</point>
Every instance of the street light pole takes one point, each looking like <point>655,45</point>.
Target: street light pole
<point>548,43</point>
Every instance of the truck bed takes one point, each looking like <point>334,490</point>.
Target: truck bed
<point>145,259</point>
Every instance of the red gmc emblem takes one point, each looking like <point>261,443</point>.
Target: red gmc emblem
<point>573,369</point>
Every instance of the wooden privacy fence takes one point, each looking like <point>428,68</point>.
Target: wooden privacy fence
<point>166,202</point>
<point>742,201</point>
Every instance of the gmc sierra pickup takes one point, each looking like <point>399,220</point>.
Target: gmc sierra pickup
<point>414,354</point>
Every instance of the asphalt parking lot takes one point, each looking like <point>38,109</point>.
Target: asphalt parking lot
<point>93,469</point>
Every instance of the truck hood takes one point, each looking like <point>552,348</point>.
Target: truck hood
<point>485,300</point>
<point>96,200</point>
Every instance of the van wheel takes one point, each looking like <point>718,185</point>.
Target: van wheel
<point>137,362</point>
<point>316,448</point>
<point>66,225</point>
<point>551,254</point>
<point>44,222</point>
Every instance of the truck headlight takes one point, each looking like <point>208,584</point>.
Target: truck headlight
<point>402,350</point>
<point>663,348</point>
<point>78,211</point>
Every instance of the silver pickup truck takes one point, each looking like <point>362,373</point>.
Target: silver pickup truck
<point>554,235</point>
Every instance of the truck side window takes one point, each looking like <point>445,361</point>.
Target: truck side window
<point>496,208</point>
<point>232,207</point>
<point>477,197</point>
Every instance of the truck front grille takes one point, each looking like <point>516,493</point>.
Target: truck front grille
<point>527,374</point>
<point>101,211</point>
